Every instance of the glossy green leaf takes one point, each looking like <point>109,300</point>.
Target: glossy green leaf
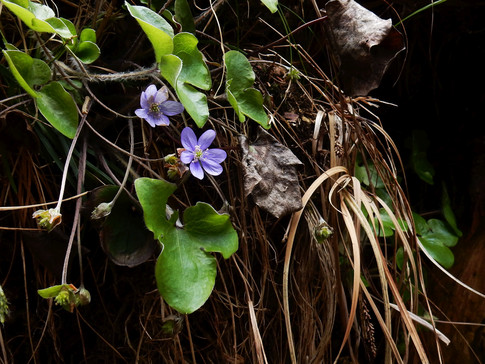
<point>438,251</point>
<point>194,101</point>
<point>123,235</point>
<point>88,52</point>
<point>420,224</point>
<point>88,35</point>
<point>58,107</point>
<point>32,14</point>
<point>157,29</point>
<point>194,70</point>
<point>61,27</point>
<point>245,100</point>
<point>183,16</point>
<point>27,71</point>
<point>442,233</point>
<point>272,5</point>
<point>153,195</point>
<point>185,271</point>
<point>448,211</point>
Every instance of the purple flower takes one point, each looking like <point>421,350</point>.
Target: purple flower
<point>198,154</point>
<point>156,107</point>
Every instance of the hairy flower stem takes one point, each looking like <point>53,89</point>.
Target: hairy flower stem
<point>111,77</point>
<point>81,169</point>
<point>86,107</point>
<point>128,167</point>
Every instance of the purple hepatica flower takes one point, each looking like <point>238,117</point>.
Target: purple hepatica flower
<point>198,154</point>
<point>156,107</point>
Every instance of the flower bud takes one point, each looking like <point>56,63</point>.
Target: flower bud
<point>84,296</point>
<point>47,219</point>
<point>102,210</point>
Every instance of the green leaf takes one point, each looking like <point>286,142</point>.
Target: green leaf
<point>157,29</point>
<point>245,100</point>
<point>32,14</point>
<point>185,274</point>
<point>448,211</point>
<point>88,52</point>
<point>185,271</point>
<point>195,102</point>
<point>183,16</point>
<point>185,69</point>
<point>58,107</point>
<point>368,175</point>
<point>419,159</point>
<point>61,27</point>
<point>123,235</point>
<point>153,195</point>
<point>88,35</point>
<point>441,233</point>
<point>52,291</point>
<point>213,230</point>
<point>420,224</point>
<point>194,70</point>
<point>27,71</point>
<point>439,252</point>
<point>272,5</point>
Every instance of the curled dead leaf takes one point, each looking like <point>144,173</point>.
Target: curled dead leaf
<point>363,43</point>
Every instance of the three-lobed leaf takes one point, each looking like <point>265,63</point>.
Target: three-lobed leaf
<point>185,271</point>
<point>184,69</point>
<point>245,100</point>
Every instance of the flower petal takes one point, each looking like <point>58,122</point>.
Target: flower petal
<point>161,95</point>
<point>146,97</point>
<point>186,157</point>
<point>171,108</point>
<point>151,91</point>
<point>141,113</point>
<point>206,139</point>
<point>196,170</point>
<point>216,155</point>
<point>151,120</point>
<point>162,120</point>
<point>211,167</point>
<point>144,103</point>
<point>188,139</point>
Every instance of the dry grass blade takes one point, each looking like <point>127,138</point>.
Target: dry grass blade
<point>352,202</point>
<point>295,219</point>
<point>352,230</point>
<point>426,324</point>
<point>448,273</point>
<point>257,336</point>
<point>390,281</point>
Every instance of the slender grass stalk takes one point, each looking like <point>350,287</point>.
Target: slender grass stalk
<point>426,7</point>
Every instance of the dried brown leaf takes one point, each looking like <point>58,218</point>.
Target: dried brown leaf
<point>363,43</point>
<point>270,174</point>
